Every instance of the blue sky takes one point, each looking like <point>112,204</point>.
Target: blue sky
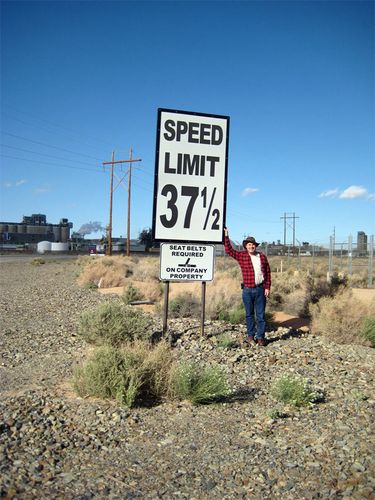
<point>80,79</point>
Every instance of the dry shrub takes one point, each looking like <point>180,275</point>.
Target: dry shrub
<point>296,303</point>
<point>114,323</point>
<point>199,384</point>
<point>150,290</point>
<point>131,294</point>
<point>224,264</point>
<point>341,318</point>
<point>147,269</point>
<point>106,272</point>
<point>185,305</point>
<point>289,292</point>
<point>359,279</point>
<point>223,294</point>
<point>136,375</point>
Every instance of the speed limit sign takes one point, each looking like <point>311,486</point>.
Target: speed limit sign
<point>190,176</point>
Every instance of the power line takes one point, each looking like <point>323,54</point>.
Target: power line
<point>48,163</point>
<point>43,154</point>
<point>49,145</point>
<point>71,131</point>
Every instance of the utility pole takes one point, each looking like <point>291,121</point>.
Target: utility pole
<point>129,187</point>
<point>114,174</point>
<point>286,217</point>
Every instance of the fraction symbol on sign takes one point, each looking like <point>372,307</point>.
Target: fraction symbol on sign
<point>209,208</point>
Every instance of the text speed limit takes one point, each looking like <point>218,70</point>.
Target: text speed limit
<point>190,177</point>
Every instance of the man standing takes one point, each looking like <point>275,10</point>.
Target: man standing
<point>256,285</point>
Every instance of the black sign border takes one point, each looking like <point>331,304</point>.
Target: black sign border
<point>156,174</point>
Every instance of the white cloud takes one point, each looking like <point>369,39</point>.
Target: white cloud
<point>9,185</point>
<point>353,192</point>
<point>247,191</point>
<point>330,193</point>
<point>41,190</point>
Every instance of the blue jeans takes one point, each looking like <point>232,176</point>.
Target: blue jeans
<point>255,301</point>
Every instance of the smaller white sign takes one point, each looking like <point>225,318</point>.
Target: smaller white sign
<point>186,262</point>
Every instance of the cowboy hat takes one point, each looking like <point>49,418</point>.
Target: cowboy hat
<point>249,239</point>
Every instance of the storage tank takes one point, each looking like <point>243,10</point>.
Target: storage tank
<point>59,247</point>
<point>65,233</point>
<point>43,246</point>
<point>56,232</point>
<point>40,230</point>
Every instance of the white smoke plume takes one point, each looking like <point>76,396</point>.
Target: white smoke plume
<point>90,227</point>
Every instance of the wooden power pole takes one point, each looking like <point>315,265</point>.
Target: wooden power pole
<point>111,191</point>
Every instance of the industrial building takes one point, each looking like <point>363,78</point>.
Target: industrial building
<point>361,243</point>
<point>33,229</point>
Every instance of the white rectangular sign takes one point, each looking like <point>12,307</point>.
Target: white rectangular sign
<point>186,262</point>
<point>190,177</point>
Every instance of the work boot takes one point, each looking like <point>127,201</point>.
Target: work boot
<point>249,340</point>
<point>262,342</point>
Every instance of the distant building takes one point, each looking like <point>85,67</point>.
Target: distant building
<point>33,229</point>
<point>361,243</point>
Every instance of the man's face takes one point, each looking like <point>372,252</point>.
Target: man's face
<point>250,247</point>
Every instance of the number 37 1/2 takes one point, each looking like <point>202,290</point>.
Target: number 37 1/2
<point>193,192</point>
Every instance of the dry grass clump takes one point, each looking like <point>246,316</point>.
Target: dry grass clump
<point>150,290</point>
<point>113,323</point>
<point>224,264</point>
<point>359,279</point>
<point>296,303</point>
<point>120,271</point>
<point>223,294</point>
<point>141,374</point>
<point>368,330</point>
<point>131,294</point>
<point>341,318</point>
<point>198,384</point>
<point>290,292</point>
<point>137,374</point>
<point>184,305</point>
<point>293,292</point>
<point>147,269</point>
<point>295,390</point>
<point>106,272</point>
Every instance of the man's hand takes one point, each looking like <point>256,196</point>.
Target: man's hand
<point>266,293</point>
<point>225,231</point>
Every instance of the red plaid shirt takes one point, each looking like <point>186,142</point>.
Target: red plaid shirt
<point>244,260</point>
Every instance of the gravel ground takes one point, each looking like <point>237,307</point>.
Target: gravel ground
<point>56,445</point>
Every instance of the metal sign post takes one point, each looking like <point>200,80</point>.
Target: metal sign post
<point>165,312</point>
<point>203,306</point>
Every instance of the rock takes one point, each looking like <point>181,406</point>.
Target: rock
<point>56,445</point>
